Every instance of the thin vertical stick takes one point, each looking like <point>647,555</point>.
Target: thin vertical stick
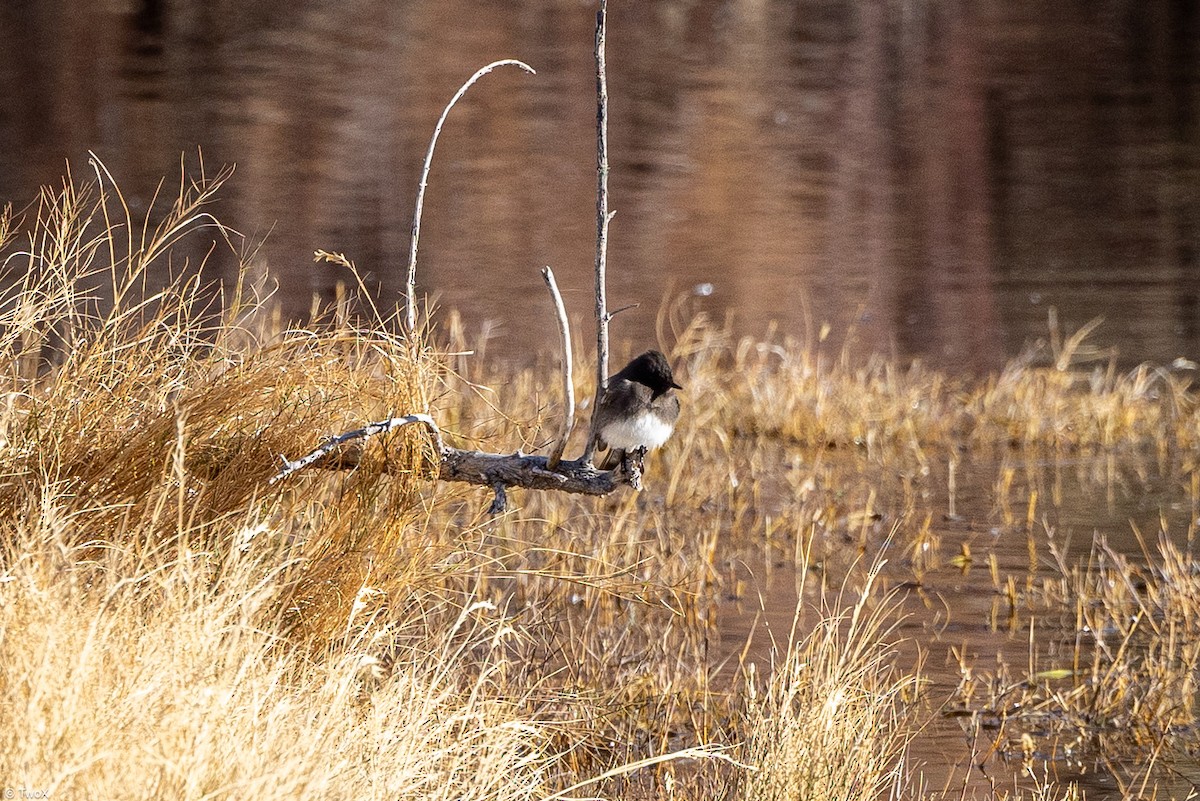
<point>603,217</point>
<point>410,287</point>
<point>568,423</point>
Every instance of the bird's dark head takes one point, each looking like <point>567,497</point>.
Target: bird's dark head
<point>651,369</point>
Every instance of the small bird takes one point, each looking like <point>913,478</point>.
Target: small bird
<point>638,411</point>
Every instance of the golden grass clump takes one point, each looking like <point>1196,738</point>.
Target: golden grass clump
<point>171,626</point>
<point>830,723</point>
<point>115,386</point>
<point>164,675</point>
<point>157,405</point>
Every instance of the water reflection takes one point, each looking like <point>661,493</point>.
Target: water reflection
<point>930,176</point>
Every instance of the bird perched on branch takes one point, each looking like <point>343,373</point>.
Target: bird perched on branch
<point>637,413</point>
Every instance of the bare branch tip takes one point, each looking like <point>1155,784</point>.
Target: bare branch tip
<point>613,314</point>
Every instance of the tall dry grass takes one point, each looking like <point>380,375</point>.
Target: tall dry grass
<point>168,675</point>
<point>831,723</point>
<point>172,625</point>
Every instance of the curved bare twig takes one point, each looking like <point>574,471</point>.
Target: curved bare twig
<point>410,288</point>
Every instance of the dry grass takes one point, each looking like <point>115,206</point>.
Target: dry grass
<point>130,675</point>
<point>831,723</point>
<point>828,456</point>
<point>173,626</point>
<point>1112,672</point>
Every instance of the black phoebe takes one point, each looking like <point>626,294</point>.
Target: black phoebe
<point>638,410</point>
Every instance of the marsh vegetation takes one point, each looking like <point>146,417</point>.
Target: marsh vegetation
<point>845,580</point>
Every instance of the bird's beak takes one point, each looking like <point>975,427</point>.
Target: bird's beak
<point>676,386</point>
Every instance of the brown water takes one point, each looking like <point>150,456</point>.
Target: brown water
<point>933,176</point>
<point>930,176</point>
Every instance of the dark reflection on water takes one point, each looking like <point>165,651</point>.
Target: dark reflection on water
<point>931,176</point>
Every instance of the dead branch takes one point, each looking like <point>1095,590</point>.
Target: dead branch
<point>369,430</point>
<point>473,467</point>
<point>568,423</point>
<point>494,470</point>
<point>531,472</point>
<point>410,287</point>
<point>603,218</point>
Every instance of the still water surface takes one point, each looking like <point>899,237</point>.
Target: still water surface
<point>928,178</point>
<point>932,176</point>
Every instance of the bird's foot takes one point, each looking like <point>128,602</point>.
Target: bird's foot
<point>632,463</point>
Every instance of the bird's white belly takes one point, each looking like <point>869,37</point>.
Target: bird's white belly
<point>644,431</point>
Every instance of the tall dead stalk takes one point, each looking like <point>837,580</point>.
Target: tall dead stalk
<point>603,218</point>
